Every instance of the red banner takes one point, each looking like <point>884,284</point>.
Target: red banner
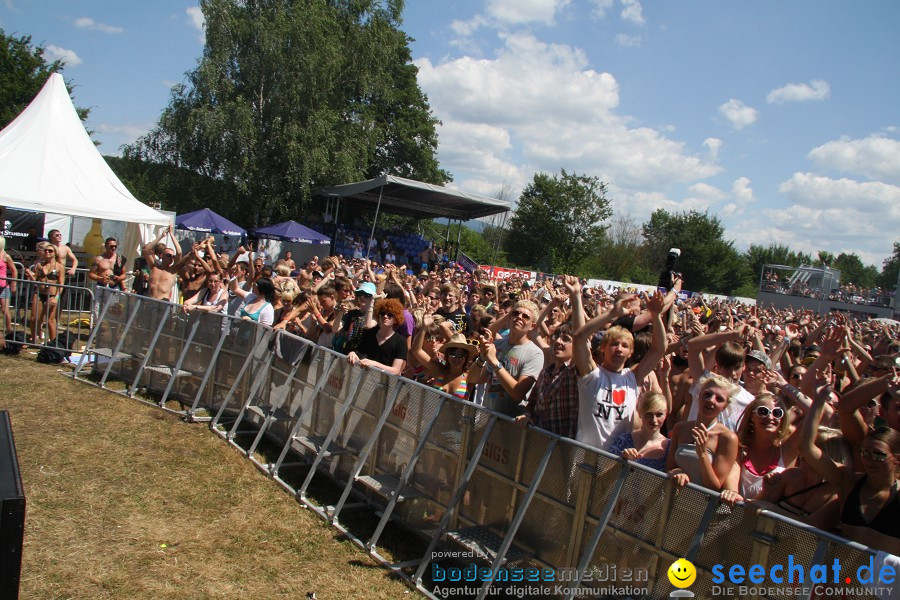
<point>503,273</point>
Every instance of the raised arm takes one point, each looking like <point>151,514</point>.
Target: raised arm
<point>581,342</point>
<point>696,346</point>
<point>656,306</point>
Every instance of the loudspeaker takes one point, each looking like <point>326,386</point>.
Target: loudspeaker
<point>12,512</point>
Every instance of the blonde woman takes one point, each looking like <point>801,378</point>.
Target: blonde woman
<point>767,440</point>
<point>646,446</point>
<point>705,450</point>
<point>49,274</point>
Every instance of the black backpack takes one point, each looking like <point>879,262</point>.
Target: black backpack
<point>55,351</point>
<point>14,342</point>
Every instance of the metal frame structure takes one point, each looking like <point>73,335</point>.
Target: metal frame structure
<point>456,474</point>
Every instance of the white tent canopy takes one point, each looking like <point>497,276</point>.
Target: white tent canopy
<point>48,163</point>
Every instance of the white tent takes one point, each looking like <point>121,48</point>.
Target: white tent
<point>48,163</point>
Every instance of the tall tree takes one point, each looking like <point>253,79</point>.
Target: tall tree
<point>558,221</point>
<point>854,271</point>
<point>890,270</point>
<point>621,255</point>
<point>23,72</point>
<point>293,94</point>
<point>708,261</point>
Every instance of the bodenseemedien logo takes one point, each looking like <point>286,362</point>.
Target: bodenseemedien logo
<point>682,574</point>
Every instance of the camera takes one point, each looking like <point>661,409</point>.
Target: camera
<point>667,277</point>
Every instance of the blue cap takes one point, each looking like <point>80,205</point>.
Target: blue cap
<point>366,287</point>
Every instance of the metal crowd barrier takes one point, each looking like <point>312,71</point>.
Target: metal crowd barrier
<point>461,477</point>
<point>72,316</point>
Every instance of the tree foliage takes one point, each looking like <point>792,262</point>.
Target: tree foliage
<point>23,72</point>
<point>890,269</point>
<point>558,222</point>
<point>854,271</point>
<point>293,94</point>
<point>708,261</point>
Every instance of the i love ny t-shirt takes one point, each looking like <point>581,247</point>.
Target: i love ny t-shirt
<point>606,404</point>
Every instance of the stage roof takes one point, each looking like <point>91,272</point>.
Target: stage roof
<point>416,199</point>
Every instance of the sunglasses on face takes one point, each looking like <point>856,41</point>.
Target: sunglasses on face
<point>456,354</point>
<point>765,411</point>
<point>524,315</point>
<point>363,295</point>
<point>876,455</point>
<point>384,313</point>
<point>112,246</point>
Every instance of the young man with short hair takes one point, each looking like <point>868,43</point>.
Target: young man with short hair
<point>608,393</point>
<point>512,364</point>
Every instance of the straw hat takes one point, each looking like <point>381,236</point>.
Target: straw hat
<point>458,340</point>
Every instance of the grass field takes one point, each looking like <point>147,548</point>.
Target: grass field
<point>126,501</point>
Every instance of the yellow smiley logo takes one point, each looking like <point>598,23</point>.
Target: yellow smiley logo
<point>682,573</point>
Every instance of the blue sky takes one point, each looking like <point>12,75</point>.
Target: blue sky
<point>781,118</point>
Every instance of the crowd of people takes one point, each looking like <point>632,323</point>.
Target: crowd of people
<point>847,292</point>
<point>792,411</point>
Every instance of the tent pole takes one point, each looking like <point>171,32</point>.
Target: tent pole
<point>375,222</point>
<point>458,237</point>
<point>337,207</point>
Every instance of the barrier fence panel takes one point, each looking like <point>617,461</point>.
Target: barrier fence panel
<point>36,309</point>
<point>458,474</point>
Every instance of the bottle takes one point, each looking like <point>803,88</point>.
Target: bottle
<point>93,241</point>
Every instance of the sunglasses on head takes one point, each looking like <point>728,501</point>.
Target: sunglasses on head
<point>876,455</point>
<point>764,411</point>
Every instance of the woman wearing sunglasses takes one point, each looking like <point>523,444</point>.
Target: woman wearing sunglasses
<point>870,503</point>
<point>450,374</point>
<point>381,346</point>
<point>767,443</point>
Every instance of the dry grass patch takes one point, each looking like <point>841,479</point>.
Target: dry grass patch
<point>125,501</point>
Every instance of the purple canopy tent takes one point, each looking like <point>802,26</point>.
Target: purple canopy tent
<point>291,231</point>
<point>206,221</point>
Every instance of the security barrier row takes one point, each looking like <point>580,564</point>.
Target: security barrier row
<point>466,480</point>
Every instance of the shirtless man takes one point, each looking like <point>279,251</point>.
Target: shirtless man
<point>108,269</point>
<point>162,275</point>
<point>63,252</point>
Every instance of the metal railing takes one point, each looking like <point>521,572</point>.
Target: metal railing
<point>458,475</point>
<point>37,309</point>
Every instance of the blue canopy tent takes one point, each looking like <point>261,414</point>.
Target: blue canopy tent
<point>291,231</point>
<point>301,241</point>
<point>206,221</point>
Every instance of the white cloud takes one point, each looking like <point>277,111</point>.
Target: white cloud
<point>92,25</point>
<point>633,11</point>
<point>525,11</point>
<point>197,20</point>
<point>628,41</point>
<point>875,157</point>
<point>540,107</point>
<point>742,191</point>
<point>822,192</point>
<point>600,7</point>
<point>67,56</point>
<point>738,114</point>
<point>816,89</point>
<point>713,145</point>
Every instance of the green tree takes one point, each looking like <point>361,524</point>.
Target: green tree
<point>854,271</point>
<point>774,254</point>
<point>708,261</point>
<point>890,269</point>
<point>558,222</point>
<point>621,254</point>
<point>23,72</point>
<point>294,94</point>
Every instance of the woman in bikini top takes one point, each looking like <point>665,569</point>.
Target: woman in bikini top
<point>870,508</point>
<point>768,443</point>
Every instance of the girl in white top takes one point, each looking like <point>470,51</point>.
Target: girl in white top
<point>767,440</point>
<point>705,450</point>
